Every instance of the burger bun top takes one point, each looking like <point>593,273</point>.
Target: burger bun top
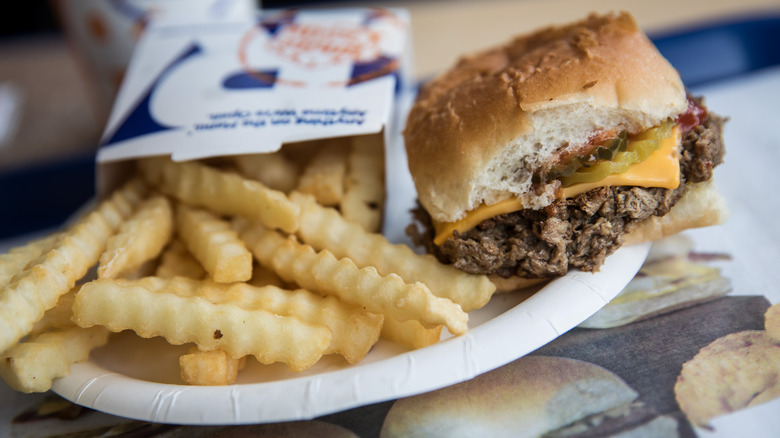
<point>477,133</point>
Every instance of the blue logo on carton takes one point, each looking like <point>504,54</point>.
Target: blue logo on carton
<point>140,121</point>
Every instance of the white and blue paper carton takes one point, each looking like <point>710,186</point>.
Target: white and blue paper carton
<point>219,78</point>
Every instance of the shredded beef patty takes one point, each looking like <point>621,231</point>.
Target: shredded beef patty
<point>573,233</point>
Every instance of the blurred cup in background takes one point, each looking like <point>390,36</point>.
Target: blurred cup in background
<point>102,34</point>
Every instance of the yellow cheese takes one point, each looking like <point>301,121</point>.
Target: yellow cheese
<point>660,169</point>
<point>445,229</point>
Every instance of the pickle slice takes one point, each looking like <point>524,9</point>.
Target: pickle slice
<point>616,145</point>
<point>621,163</point>
<point>637,150</point>
<point>660,132</point>
<point>605,151</point>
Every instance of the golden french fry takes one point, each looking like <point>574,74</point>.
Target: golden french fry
<point>354,330</point>
<point>59,316</point>
<point>54,343</point>
<point>151,308</point>
<point>178,261</point>
<point>148,268</point>
<point>364,185</point>
<point>214,244</point>
<point>17,259</point>
<point>140,239</point>
<point>274,170</point>
<point>396,298</point>
<point>221,192</point>
<point>410,333</point>
<point>209,368</point>
<point>122,202</point>
<point>36,289</point>
<point>323,177</point>
<point>31,365</point>
<point>322,272</point>
<point>262,276</point>
<point>325,228</point>
<point>300,153</point>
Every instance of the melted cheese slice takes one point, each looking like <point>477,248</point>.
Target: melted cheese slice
<point>660,169</point>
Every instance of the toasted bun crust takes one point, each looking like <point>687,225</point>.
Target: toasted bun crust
<point>477,133</point>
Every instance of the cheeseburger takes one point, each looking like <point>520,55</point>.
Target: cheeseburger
<point>550,152</point>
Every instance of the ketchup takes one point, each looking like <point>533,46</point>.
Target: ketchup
<point>693,116</point>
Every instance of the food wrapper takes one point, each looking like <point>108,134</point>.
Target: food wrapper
<point>232,80</point>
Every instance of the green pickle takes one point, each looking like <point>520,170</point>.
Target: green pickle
<point>634,150</point>
<point>616,145</point>
<point>606,151</point>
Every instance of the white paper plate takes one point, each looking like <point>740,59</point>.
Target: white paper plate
<point>139,378</point>
<point>127,377</point>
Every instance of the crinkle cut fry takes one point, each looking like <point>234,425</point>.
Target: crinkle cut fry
<point>36,289</point>
<point>141,238</point>
<point>17,259</point>
<point>177,261</point>
<point>323,228</point>
<point>354,329</point>
<point>272,169</point>
<point>217,246</point>
<point>410,333</point>
<point>222,192</point>
<point>322,272</point>
<point>209,367</point>
<point>149,309</point>
<point>32,365</point>
<point>59,316</point>
<point>323,176</point>
<point>364,184</point>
